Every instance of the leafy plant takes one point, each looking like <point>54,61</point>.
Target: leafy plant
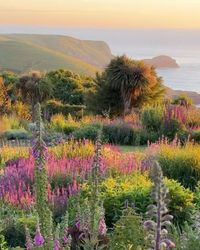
<point>127,231</point>
<point>160,220</point>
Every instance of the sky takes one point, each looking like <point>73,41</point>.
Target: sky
<point>102,13</point>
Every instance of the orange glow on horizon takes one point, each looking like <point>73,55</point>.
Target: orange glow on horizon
<point>102,13</point>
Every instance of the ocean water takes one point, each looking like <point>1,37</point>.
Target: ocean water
<point>183,45</point>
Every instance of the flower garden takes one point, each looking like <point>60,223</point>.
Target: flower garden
<point>85,194</point>
<point>91,163</point>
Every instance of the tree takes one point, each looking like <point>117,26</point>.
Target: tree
<point>105,99</point>
<point>34,87</point>
<point>70,88</point>
<point>136,81</point>
<point>5,103</point>
<point>183,100</point>
<point>127,84</point>
<point>10,79</point>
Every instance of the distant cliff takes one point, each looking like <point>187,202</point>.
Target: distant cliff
<point>162,62</point>
<point>23,52</point>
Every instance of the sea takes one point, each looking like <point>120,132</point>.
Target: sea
<point>181,44</point>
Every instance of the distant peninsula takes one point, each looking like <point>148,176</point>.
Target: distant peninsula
<point>162,62</point>
<point>175,93</point>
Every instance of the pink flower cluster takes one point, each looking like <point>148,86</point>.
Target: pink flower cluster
<point>17,182</point>
<point>175,112</point>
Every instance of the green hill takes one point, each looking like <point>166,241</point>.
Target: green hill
<point>46,52</point>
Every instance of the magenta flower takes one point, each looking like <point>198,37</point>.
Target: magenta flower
<point>56,245</point>
<point>102,227</point>
<point>38,239</point>
<point>78,224</point>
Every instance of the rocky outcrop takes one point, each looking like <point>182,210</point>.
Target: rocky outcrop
<point>162,62</point>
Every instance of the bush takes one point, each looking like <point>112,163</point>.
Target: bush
<point>62,125</point>
<point>150,136</point>
<point>196,136</point>
<point>121,133</point>
<point>181,163</point>
<point>52,138</point>
<point>152,119</point>
<point>58,122</point>
<point>9,122</point>
<point>87,132</point>
<point>128,231</point>
<point>56,107</point>
<point>136,189</point>
<point>16,134</point>
<point>172,127</point>
<point>12,227</point>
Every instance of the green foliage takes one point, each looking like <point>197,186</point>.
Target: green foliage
<point>187,238</point>
<point>172,127</point>
<point>34,87</point>
<point>181,163</point>
<point>124,85</point>
<point>10,79</point>
<point>121,133</point>
<point>152,118</point>
<point>148,136</point>
<point>16,134</point>
<point>60,124</point>
<point>41,179</point>
<point>181,202</point>
<point>159,218</point>
<point>53,107</point>
<point>3,244</point>
<point>128,231</point>
<point>5,102</point>
<point>87,132</point>
<point>196,136</point>
<point>136,189</point>
<point>104,99</point>
<point>70,88</point>
<point>183,100</point>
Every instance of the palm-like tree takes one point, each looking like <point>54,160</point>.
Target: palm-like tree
<point>134,79</point>
<point>34,88</point>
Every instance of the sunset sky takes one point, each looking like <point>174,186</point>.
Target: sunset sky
<point>102,13</point>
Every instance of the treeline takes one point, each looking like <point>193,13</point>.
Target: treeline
<point>124,85</point>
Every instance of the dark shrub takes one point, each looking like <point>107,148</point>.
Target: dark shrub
<point>120,133</point>
<point>55,107</point>
<point>152,119</point>
<point>87,132</point>
<point>196,136</point>
<point>150,136</point>
<point>16,134</point>
<point>172,127</point>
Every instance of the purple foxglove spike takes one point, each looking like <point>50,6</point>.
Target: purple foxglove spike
<point>78,224</point>
<point>56,245</point>
<point>102,227</point>
<point>38,239</point>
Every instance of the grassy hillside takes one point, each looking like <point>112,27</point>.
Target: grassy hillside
<point>46,52</point>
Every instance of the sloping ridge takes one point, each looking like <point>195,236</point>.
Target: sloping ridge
<point>46,52</point>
